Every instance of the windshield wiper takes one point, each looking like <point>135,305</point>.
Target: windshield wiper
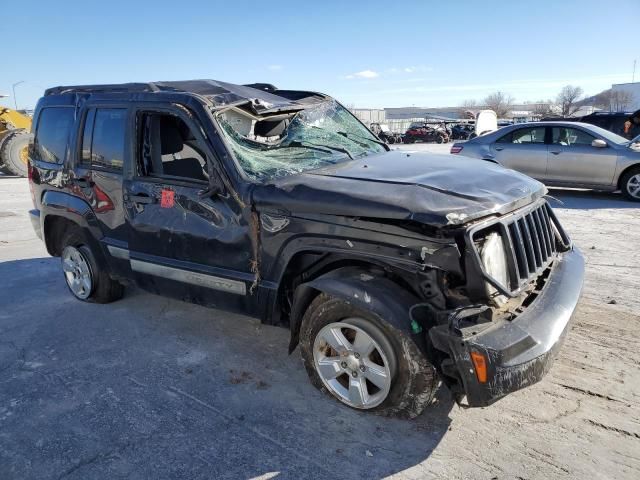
<point>348,136</point>
<point>321,148</point>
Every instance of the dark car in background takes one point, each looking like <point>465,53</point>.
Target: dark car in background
<point>393,270</point>
<point>462,131</point>
<point>625,124</point>
<point>384,133</point>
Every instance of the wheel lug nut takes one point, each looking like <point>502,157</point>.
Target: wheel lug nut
<point>343,364</point>
<point>357,355</point>
<point>354,374</point>
<point>362,368</point>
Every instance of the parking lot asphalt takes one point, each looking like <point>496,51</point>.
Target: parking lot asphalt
<point>154,388</point>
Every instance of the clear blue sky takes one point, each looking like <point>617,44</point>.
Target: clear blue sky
<point>377,54</point>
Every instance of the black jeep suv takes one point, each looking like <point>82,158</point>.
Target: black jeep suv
<point>392,270</point>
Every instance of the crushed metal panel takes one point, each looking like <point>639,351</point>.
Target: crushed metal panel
<point>423,187</point>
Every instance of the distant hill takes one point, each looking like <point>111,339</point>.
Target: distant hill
<point>609,100</point>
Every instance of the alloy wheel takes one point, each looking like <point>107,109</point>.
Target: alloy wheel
<point>633,186</point>
<point>354,364</point>
<point>77,272</point>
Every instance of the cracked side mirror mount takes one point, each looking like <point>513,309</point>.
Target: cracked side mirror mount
<point>215,186</point>
<point>211,191</point>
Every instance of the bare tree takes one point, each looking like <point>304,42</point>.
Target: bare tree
<point>468,108</point>
<point>500,103</point>
<point>620,100</point>
<point>568,100</point>
<point>542,108</point>
<point>613,100</point>
<point>603,100</point>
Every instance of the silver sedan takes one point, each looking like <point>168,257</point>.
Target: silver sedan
<point>562,154</point>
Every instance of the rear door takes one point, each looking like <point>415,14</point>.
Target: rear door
<point>184,241</point>
<point>97,176</point>
<point>524,150</point>
<point>573,160</point>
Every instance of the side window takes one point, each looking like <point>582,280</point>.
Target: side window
<point>86,136</point>
<point>103,138</point>
<point>528,135</point>
<point>168,148</point>
<point>52,134</point>
<point>506,139</point>
<point>570,136</point>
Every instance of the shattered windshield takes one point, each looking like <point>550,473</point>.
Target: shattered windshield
<point>320,135</point>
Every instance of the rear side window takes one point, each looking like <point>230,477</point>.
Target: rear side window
<point>103,138</point>
<point>524,135</point>
<point>52,134</point>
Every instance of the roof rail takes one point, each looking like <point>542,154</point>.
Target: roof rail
<point>267,87</point>
<point>114,88</point>
<point>609,113</point>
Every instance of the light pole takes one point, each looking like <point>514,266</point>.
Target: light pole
<point>13,87</point>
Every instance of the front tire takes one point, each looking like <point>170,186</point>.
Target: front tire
<point>364,362</point>
<point>630,184</point>
<point>86,279</point>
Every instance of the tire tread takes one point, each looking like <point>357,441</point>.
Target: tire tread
<point>105,289</point>
<point>416,381</point>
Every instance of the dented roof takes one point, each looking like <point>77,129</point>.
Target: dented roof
<point>263,98</point>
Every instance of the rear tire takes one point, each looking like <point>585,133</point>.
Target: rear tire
<point>412,379</point>
<point>86,279</point>
<point>630,184</point>
<point>13,153</point>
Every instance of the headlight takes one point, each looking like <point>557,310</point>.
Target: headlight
<point>494,259</point>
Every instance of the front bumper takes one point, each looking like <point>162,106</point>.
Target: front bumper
<point>521,351</point>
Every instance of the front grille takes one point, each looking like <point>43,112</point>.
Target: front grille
<point>532,237</point>
<point>533,241</point>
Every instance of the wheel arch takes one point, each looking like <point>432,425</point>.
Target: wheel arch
<point>491,160</point>
<point>298,266</point>
<point>635,166</point>
<point>61,211</point>
<point>360,286</point>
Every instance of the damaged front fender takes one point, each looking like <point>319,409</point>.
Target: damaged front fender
<point>359,287</point>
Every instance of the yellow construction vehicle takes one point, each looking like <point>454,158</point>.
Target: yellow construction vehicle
<point>15,134</point>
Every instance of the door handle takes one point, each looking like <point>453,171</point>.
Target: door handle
<point>141,199</point>
<point>555,153</point>
<point>498,149</point>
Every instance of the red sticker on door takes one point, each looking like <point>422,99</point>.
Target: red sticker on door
<point>167,198</point>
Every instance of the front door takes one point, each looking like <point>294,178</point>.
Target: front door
<point>183,240</point>
<point>524,150</point>
<point>573,160</point>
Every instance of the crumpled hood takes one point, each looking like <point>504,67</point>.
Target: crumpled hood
<point>428,188</point>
